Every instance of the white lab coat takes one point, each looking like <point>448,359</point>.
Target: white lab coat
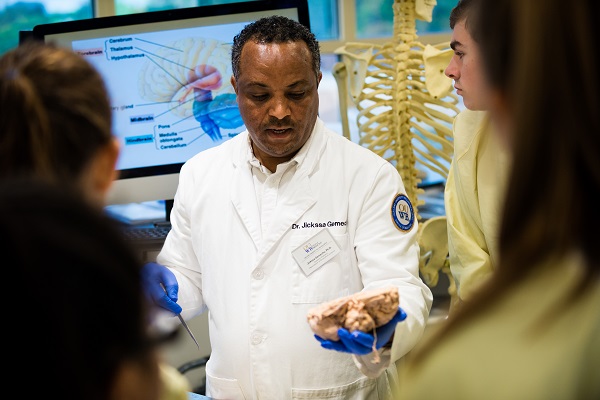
<point>256,294</point>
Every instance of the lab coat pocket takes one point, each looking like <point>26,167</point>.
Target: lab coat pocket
<point>223,389</point>
<point>362,389</point>
<point>327,282</point>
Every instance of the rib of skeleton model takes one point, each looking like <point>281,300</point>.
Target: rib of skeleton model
<point>405,113</point>
<point>404,100</point>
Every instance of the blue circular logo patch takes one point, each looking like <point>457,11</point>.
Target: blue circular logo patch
<point>403,213</point>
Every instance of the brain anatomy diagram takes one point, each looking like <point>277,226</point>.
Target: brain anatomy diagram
<point>188,74</point>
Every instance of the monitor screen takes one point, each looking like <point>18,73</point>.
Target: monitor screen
<point>168,76</point>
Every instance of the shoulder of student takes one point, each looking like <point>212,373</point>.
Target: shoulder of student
<point>467,128</point>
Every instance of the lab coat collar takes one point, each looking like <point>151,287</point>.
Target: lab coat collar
<point>286,214</point>
<point>305,158</point>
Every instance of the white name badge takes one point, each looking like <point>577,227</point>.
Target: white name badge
<point>313,254</point>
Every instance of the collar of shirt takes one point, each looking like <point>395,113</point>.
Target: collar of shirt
<point>297,160</point>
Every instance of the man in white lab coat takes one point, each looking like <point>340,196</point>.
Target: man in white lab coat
<point>246,211</point>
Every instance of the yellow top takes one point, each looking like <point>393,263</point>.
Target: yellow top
<point>473,197</point>
<point>500,355</point>
<point>175,385</point>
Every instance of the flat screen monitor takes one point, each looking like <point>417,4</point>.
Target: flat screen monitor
<point>168,76</point>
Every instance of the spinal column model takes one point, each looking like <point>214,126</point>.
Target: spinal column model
<point>404,100</point>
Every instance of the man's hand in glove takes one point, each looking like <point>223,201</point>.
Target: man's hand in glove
<point>161,285</point>
<point>361,343</point>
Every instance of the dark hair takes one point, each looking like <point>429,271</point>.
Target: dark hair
<point>54,112</point>
<point>78,307</point>
<point>550,81</point>
<point>463,11</point>
<point>274,29</point>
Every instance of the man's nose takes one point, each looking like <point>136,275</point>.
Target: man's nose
<point>280,107</point>
<point>451,70</point>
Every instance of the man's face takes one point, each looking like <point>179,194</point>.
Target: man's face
<point>278,98</point>
<point>466,69</point>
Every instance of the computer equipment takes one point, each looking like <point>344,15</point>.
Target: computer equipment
<point>168,76</point>
<point>154,235</point>
<point>25,35</point>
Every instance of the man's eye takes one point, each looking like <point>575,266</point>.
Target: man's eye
<point>459,54</point>
<point>259,97</point>
<point>298,95</point>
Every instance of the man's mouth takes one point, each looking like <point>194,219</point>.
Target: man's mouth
<point>278,131</point>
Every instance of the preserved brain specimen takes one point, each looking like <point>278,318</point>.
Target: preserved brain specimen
<point>362,311</point>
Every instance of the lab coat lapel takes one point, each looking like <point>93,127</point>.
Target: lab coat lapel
<point>288,213</point>
<point>303,195</point>
<point>301,198</point>
<point>242,195</point>
<point>244,202</point>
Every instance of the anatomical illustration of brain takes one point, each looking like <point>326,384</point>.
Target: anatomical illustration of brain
<point>362,311</point>
<point>170,74</point>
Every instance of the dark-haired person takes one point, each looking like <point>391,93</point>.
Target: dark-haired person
<point>473,191</point>
<point>55,126</point>
<point>55,120</point>
<point>73,272</point>
<point>285,216</point>
<point>533,330</point>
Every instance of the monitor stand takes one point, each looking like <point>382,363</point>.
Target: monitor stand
<point>168,208</point>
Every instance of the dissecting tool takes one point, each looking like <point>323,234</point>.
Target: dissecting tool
<point>185,325</point>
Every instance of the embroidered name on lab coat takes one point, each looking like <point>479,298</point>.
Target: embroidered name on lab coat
<point>327,224</point>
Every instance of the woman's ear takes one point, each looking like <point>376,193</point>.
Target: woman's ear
<point>106,165</point>
<point>102,171</point>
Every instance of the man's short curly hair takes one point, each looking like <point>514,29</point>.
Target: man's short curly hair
<point>274,29</point>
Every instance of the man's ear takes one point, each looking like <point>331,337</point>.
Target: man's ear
<point>233,83</point>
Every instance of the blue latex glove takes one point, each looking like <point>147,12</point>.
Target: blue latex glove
<point>361,343</point>
<point>161,285</point>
